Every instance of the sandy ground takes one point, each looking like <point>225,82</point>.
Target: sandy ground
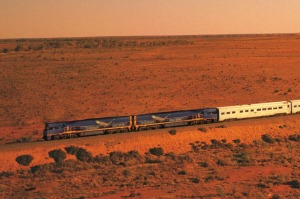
<point>245,130</point>
<point>68,79</point>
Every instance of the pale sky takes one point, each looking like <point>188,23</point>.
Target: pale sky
<point>81,18</point>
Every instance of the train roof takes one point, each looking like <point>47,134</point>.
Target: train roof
<point>89,119</point>
<point>170,112</point>
<point>153,113</point>
<point>255,105</point>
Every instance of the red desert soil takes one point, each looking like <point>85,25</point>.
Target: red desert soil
<point>245,130</point>
<point>69,79</point>
<point>46,80</point>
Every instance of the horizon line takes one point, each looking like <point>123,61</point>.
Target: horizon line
<point>162,35</point>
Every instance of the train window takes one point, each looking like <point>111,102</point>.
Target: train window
<point>246,110</point>
<point>269,108</point>
<point>222,113</point>
<point>275,108</point>
<point>298,105</point>
<point>233,112</point>
<point>241,111</point>
<point>228,112</point>
<point>252,110</point>
<point>280,107</point>
<point>259,109</point>
<point>295,106</point>
<point>264,109</point>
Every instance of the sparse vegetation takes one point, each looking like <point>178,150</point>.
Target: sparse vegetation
<point>242,158</point>
<point>210,164</point>
<point>219,166</point>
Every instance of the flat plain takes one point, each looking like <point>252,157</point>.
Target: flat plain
<point>46,80</point>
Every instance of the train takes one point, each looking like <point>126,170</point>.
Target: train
<point>140,122</point>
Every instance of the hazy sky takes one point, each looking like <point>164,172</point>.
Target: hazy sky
<point>77,18</point>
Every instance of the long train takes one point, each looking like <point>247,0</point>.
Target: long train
<point>70,129</point>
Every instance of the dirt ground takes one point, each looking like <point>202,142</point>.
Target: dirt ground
<point>46,80</point>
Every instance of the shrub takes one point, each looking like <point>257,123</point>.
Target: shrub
<point>203,164</point>
<point>216,143</point>
<point>5,50</point>
<point>295,137</point>
<point>242,158</point>
<point>236,141</point>
<point>72,150</point>
<point>36,169</point>
<point>17,48</point>
<point>23,139</point>
<point>24,160</point>
<point>294,184</point>
<point>172,132</point>
<point>224,141</point>
<point>117,157</point>
<point>83,155</point>
<point>158,151</point>
<point>202,129</point>
<point>181,173</point>
<point>126,159</point>
<point>268,138</point>
<point>275,196</point>
<point>194,180</point>
<point>6,174</point>
<point>223,162</point>
<point>58,155</point>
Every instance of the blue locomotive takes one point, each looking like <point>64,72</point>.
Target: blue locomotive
<point>70,129</point>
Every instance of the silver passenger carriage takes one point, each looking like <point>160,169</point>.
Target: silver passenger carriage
<point>255,110</point>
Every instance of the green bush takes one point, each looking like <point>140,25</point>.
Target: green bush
<point>294,184</point>
<point>158,151</point>
<point>194,180</point>
<point>83,155</point>
<point>236,141</point>
<point>295,137</point>
<point>6,174</point>
<point>17,48</point>
<point>5,50</point>
<point>202,129</point>
<point>24,160</point>
<point>58,155</point>
<point>268,138</point>
<point>242,158</point>
<point>172,132</point>
<point>182,172</point>
<point>72,150</point>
